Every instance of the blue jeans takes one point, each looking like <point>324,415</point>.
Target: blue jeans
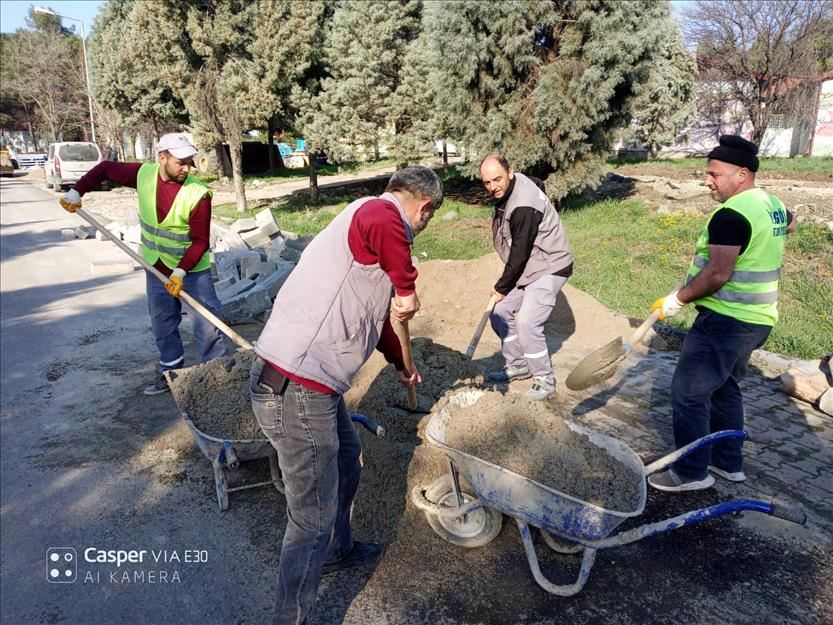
<point>705,390</point>
<point>166,315</point>
<point>319,453</point>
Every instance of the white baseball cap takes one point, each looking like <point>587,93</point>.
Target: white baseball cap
<point>177,144</point>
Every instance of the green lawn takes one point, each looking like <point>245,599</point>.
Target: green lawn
<point>626,258</point>
<point>274,175</point>
<point>796,165</point>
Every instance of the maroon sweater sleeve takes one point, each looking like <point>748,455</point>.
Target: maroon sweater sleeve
<point>200,229</point>
<point>124,174</point>
<point>390,347</point>
<point>377,235</point>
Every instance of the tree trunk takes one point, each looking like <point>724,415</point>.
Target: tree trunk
<point>236,149</point>
<point>314,193</point>
<point>270,143</point>
<point>223,163</point>
<point>445,156</point>
<point>376,149</point>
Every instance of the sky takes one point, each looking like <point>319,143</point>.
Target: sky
<point>13,12</point>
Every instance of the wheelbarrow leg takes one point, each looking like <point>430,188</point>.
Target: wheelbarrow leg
<point>220,483</point>
<point>566,590</point>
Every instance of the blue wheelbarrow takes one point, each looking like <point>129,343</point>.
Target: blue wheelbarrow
<point>226,454</point>
<point>568,525</point>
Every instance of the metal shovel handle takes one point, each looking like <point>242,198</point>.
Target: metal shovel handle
<point>478,332</point>
<point>185,297</point>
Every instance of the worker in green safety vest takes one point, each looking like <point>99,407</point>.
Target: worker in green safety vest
<point>175,221</point>
<point>733,281</point>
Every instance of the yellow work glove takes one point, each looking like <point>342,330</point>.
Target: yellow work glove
<point>71,201</point>
<point>174,283</point>
<point>668,306</point>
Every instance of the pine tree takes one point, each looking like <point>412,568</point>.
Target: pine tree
<point>548,82</point>
<point>354,114</point>
<point>665,102</point>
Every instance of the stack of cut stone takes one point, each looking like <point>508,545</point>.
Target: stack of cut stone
<point>251,261</point>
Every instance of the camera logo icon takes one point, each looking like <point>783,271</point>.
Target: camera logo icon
<point>61,565</point>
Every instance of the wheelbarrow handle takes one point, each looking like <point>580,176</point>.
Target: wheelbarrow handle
<point>698,516</point>
<point>369,424</point>
<point>666,461</point>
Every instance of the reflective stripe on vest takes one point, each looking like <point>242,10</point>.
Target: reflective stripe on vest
<point>167,241</point>
<point>751,292</point>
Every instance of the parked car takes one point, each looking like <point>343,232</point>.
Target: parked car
<point>67,161</point>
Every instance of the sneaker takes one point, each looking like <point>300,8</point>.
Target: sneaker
<point>737,476</point>
<point>509,373</point>
<point>158,387</point>
<point>361,554</point>
<point>673,483</point>
<point>541,389</point>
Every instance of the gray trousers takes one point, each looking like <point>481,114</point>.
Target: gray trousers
<point>519,318</point>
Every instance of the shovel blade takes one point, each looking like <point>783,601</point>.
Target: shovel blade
<point>597,366</point>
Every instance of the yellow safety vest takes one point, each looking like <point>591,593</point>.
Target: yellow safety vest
<point>751,293</point>
<point>168,240</point>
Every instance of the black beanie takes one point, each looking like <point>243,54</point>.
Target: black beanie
<point>737,151</point>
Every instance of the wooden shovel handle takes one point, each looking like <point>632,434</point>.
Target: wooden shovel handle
<point>402,331</point>
<point>641,330</point>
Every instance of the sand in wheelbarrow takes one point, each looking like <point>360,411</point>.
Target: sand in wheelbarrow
<point>531,438</point>
<point>215,395</point>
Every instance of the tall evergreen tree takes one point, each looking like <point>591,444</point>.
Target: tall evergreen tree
<point>364,50</point>
<point>665,102</point>
<point>548,82</point>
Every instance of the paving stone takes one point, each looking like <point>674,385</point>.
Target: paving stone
<point>84,232</point>
<point>291,254</point>
<point>235,289</point>
<point>111,267</point>
<point>243,225</point>
<point>269,229</point>
<point>264,217</point>
<point>67,234</point>
<point>232,240</point>
<point>251,259</point>
<point>274,281</point>
<point>255,238</point>
<point>222,285</point>
<point>300,243</point>
<point>253,270</point>
<point>273,252</point>
<point>132,234</point>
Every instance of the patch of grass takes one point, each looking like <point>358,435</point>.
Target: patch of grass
<point>626,258</point>
<point>458,231</point>
<point>795,165</point>
<point>284,173</point>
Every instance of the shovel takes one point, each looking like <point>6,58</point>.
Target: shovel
<point>401,330</point>
<point>202,310</point>
<point>601,364</point>
<point>480,327</point>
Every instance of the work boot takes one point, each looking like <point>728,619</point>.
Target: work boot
<point>360,554</point>
<point>736,476</point>
<point>673,483</point>
<point>541,389</point>
<point>158,387</point>
<point>509,373</point>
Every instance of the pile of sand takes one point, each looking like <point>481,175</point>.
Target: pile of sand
<point>216,397</point>
<point>532,439</point>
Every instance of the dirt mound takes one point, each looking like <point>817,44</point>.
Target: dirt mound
<point>216,397</point>
<point>532,439</point>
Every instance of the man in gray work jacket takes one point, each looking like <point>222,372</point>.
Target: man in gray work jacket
<point>530,239</point>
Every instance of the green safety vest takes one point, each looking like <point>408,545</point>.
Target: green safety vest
<point>751,293</point>
<point>168,240</point>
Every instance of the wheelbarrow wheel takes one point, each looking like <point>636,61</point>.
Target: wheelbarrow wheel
<point>477,528</point>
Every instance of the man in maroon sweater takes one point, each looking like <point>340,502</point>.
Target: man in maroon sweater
<point>329,316</point>
<point>175,213</point>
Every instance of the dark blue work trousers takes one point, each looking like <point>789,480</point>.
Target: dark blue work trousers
<point>705,391</point>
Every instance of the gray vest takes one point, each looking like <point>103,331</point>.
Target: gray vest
<point>551,251</point>
<point>328,316</point>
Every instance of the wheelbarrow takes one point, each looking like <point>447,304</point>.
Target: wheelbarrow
<point>226,454</point>
<point>567,524</point>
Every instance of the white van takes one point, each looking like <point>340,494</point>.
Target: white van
<point>67,161</point>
